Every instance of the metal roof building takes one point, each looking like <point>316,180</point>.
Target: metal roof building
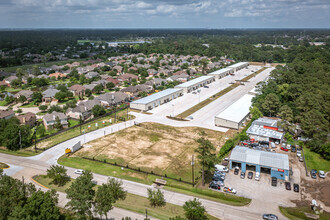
<point>195,83</point>
<point>156,99</point>
<point>265,129</point>
<point>277,164</point>
<point>235,115</point>
<point>238,66</point>
<point>221,73</point>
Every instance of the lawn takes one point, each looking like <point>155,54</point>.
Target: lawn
<point>298,213</point>
<point>22,153</point>
<point>73,122</point>
<point>3,103</point>
<point>216,96</point>
<point>132,202</point>
<point>29,105</point>
<point>315,161</point>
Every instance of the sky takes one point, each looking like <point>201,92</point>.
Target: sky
<point>215,14</point>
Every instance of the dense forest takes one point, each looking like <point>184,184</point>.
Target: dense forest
<point>299,93</point>
<point>236,44</point>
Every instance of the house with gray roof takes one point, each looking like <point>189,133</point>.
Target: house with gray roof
<point>90,75</point>
<point>26,93</point>
<point>6,114</point>
<point>49,95</point>
<point>49,120</point>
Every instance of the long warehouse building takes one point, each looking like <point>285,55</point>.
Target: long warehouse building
<point>195,83</point>
<point>156,99</point>
<point>238,66</point>
<point>236,114</point>
<point>221,73</point>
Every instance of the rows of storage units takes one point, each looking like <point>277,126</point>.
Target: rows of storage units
<point>157,99</point>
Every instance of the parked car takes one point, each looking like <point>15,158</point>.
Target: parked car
<point>257,176</point>
<point>220,183</point>
<point>274,181</point>
<point>229,190</point>
<point>277,142</point>
<point>288,146</point>
<point>313,174</point>
<point>283,145</point>
<point>236,170</point>
<point>206,87</point>
<point>194,92</point>
<point>218,178</point>
<point>213,185</point>
<point>296,187</point>
<point>272,144</point>
<point>221,168</point>
<point>242,175</point>
<point>287,186</point>
<point>285,149</point>
<point>298,153</point>
<point>293,149</point>
<point>264,142</point>
<point>269,216</point>
<point>322,174</point>
<point>250,175</point>
<point>79,171</point>
<point>301,159</point>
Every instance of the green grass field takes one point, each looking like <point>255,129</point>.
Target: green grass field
<point>22,153</point>
<point>132,202</point>
<point>298,213</point>
<point>114,171</point>
<point>315,161</point>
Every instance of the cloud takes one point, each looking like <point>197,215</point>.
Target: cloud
<point>168,13</point>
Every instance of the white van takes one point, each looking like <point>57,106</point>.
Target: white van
<point>272,144</point>
<point>221,168</point>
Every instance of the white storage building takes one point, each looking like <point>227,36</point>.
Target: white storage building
<point>221,73</point>
<point>238,66</point>
<point>156,99</point>
<point>195,83</point>
<point>235,115</point>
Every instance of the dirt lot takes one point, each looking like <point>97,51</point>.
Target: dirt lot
<point>151,146</point>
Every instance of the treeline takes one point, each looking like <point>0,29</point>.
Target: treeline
<point>299,93</point>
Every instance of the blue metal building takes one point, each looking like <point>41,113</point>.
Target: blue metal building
<point>277,165</point>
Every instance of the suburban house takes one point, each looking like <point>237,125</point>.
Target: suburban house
<point>114,81</point>
<point>77,90</point>
<point>83,110</point>
<point>48,95</point>
<point>127,77</point>
<point>100,82</point>
<point>26,93</point>
<point>118,68</point>
<point>6,114</point>
<point>90,87</point>
<point>156,82</point>
<point>112,99</point>
<point>181,78</point>
<point>3,83</point>
<point>57,75</point>
<point>90,75</point>
<point>10,79</point>
<point>28,118</point>
<point>50,119</point>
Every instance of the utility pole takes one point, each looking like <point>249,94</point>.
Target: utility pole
<point>35,139</point>
<point>80,122</point>
<point>127,109</point>
<point>20,139</point>
<point>192,170</point>
<point>115,112</point>
<point>146,213</point>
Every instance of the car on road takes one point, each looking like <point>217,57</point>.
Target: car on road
<point>296,187</point>
<point>206,87</point>
<point>301,159</point>
<point>257,176</point>
<point>274,181</point>
<point>236,170</point>
<point>293,149</point>
<point>284,149</point>
<point>313,174</point>
<point>190,117</point>
<point>250,175</point>
<point>298,153</point>
<point>242,175</point>
<point>194,92</point>
<point>79,171</point>
<point>287,186</point>
<point>213,185</point>
<point>269,217</point>
<point>229,190</point>
<point>322,174</point>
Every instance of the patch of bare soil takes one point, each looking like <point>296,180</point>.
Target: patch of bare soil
<point>318,189</point>
<point>150,145</point>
